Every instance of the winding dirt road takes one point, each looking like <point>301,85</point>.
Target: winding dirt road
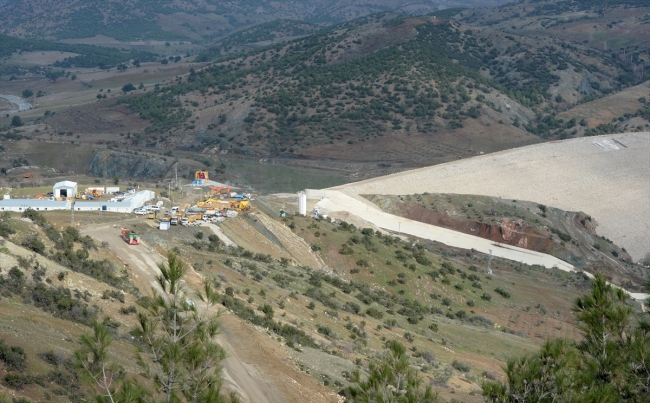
<point>143,261</point>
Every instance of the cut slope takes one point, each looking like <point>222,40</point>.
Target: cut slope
<point>607,177</point>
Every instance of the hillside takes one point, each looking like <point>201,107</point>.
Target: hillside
<point>603,177</point>
<point>417,84</point>
<point>357,99</point>
<point>309,300</point>
<point>193,20</point>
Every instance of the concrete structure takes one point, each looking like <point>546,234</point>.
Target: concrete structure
<point>335,201</point>
<point>65,189</point>
<point>302,203</point>
<point>20,205</point>
<point>127,205</point>
<point>607,177</point>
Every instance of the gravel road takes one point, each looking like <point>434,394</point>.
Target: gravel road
<point>337,201</point>
<point>220,234</point>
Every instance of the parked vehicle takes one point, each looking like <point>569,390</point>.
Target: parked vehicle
<point>140,211</point>
<point>173,221</point>
<point>130,237</point>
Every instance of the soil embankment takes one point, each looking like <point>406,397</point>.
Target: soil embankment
<point>606,177</point>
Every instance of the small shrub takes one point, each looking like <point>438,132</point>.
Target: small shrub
<point>461,366</point>
<point>128,311</point>
<point>502,292</point>
<point>374,312</point>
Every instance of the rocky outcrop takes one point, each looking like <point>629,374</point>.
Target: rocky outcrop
<point>109,164</point>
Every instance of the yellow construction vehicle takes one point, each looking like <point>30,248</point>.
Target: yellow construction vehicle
<point>209,203</point>
<point>239,205</point>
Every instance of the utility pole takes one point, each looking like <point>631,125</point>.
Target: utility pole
<point>72,214</point>
<point>489,262</point>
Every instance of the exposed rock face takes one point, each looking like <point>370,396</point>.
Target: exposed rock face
<point>114,163</point>
<point>509,231</point>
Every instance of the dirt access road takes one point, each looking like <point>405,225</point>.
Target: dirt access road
<point>143,261</point>
<point>256,367</point>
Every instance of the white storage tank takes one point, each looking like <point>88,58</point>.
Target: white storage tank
<point>302,203</point>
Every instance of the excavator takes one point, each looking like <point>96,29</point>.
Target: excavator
<point>217,190</point>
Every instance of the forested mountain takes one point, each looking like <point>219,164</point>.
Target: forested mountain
<point>194,20</point>
<point>382,76</point>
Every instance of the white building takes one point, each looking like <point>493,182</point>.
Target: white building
<point>20,205</point>
<point>65,189</point>
<point>127,205</point>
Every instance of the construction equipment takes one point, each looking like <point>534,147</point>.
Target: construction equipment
<point>94,192</point>
<point>220,189</point>
<point>239,205</point>
<point>130,237</point>
<point>208,203</point>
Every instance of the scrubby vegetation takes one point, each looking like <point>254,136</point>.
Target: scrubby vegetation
<point>66,252</point>
<point>89,56</point>
<point>610,363</point>
<point>430,82</point>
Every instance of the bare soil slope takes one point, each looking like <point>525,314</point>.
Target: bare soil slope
<point>607,177</point>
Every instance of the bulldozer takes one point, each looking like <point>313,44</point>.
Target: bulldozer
<point>130,237</point>
<point>243,206</point>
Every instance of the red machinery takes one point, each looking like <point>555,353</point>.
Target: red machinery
<point>130,237</point>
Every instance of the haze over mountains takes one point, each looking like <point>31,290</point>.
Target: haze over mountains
<point>193,20</point>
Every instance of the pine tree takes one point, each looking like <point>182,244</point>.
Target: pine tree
<point>610,364</point>
<point>391,380</point>
<point>107,380</point>
<point>178,353</point>
<point>181,356</point>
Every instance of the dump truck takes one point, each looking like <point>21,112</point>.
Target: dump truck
<point>130,237</point>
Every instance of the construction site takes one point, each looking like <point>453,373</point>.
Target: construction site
<point>272,249</point>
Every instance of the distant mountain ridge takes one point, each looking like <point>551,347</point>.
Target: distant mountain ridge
<point>195,20</point>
